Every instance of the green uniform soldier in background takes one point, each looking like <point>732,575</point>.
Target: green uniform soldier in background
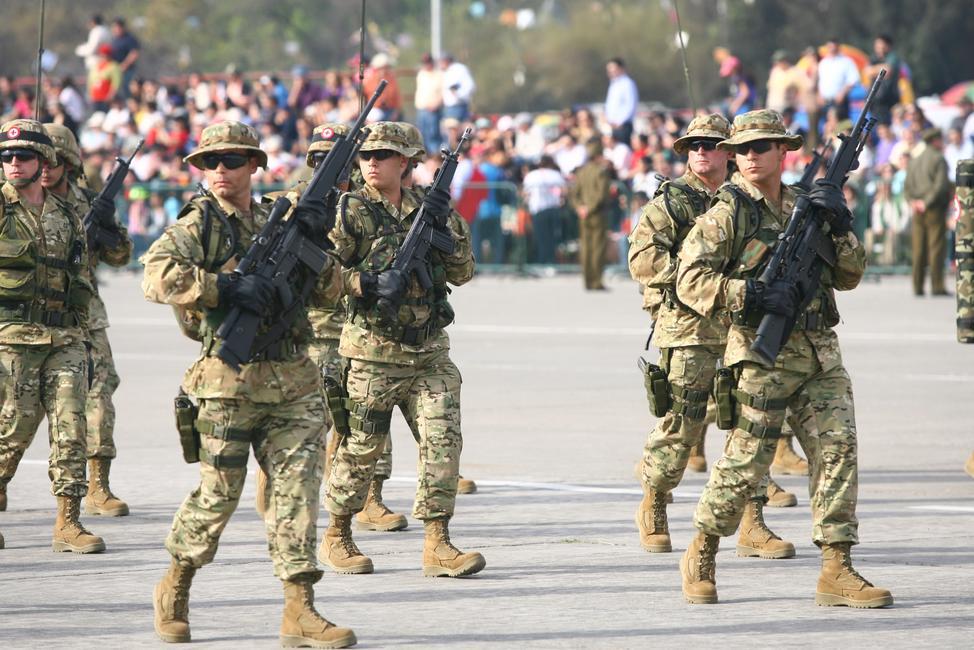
<point>965,262</point>
<point>272,404</point>
<point>44,296</point>
<point>63,181</point>
<point>590,195</point>
<point>927,189</point>
<point>721,257</point>
<point>690,345</point>
<point>402,360</point>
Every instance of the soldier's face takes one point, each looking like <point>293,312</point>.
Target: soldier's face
<point>51,176</point>
<point>382,171</point>
<point>705,162</point>
<point>761,167</point>
<point>17,169</point>
<point>227,183</point>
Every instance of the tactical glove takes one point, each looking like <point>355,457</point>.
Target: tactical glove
<point>251,292</point>
<point>311,218</point>
<point>104,212</point>
<point>829,199</point>
<point>437,203</point>
<point>387,285</point>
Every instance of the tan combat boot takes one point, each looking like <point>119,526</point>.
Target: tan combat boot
<point>375,515</point>
<point>654,532</point>
<point>968,467</point>
<point>840,584</point>
<point>756,539</point>
<point>697,461</point>
<point>466,486</point>
<point>260,498</point>
<point>170,600</point>
<point>100,500</point>
<point>442,559</point>
<point>786,461</point>
<point>302,626</point>
<point>338,549</point>
<point>698,566</point>
<point>69,534</point>
<point>778,497</point>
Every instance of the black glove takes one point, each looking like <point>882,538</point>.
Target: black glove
<point>104,212</point>
<point>779,297</point>
<point>437,203</point>
<point>251,292</point>
<point>311,220</point>
<point>828,198</point>
<point>390,285</point>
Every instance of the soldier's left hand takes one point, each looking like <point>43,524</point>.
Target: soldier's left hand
<point>311,218</point>
<point>104,212</point>
<point>828,197</point>
<point>437,203</point>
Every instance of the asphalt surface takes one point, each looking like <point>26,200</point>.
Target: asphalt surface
<point>554,419</point>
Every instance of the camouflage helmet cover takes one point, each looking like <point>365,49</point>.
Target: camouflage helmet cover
<point>28,134</point>
<point>704,127</point>
<point>415,140</point>
<point>388,135</point>
<point>65,144</point>
<point>227,136</point>
<point>323,139</point>
<point>764,124</point>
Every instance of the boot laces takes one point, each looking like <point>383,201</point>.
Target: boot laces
<point>182,580</point>
<point>73,517</point>
<point>757,520</point>
<point>347,542</point>
<point>659,511</point>
<point>845,559</point>
<point>708,557</point>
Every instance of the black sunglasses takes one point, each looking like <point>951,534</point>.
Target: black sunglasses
<point>230,160</point>
<point>706,145</point>
<point>318,157</point>
<point>378,154</point>
<point>23,155</point>
<point>757,146</point>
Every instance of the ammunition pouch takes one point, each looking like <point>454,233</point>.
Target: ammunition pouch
<point>17,270</point>
<point>657,387</point>
<point>189,437</point>
<point>336,398</point>
<point>724,388</point>
<point>369,420</point>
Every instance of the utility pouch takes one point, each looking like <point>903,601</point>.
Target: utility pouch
<point>189,435</point>
<point>335,396</point>
<point>725,382</point>
<point>657,387</point>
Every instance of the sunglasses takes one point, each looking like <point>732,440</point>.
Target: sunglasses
<point>706,145</point>
<point>230,160</point>
<point>757,146</point>
<point>378,154</point>
<point>23,155</point>
<point>318,157</point>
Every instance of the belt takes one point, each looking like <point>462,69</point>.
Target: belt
<point>30,313</point>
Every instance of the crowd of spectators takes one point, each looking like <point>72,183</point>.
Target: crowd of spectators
<point>512,181</point>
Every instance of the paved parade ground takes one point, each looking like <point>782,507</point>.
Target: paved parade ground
<point>554,418</point>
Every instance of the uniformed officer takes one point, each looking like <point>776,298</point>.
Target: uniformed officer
<point>44,300</point>
<point>65,180</point>
<point>272,404</point>
<point>719,262</point>
<point>399,360</point>
<point>590,195</point>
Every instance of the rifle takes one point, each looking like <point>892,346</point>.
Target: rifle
<point>96,234</point>
<point>426,232</point>
<point>280,251</point>
<point>808,174</point>
<point>804,247</point>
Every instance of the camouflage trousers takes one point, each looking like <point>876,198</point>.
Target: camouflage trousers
<point>324,352</point>
<point>429,396</point>
<point>287,439</point>
<point>826,430</point>
<point>39,380</point>
<point>100,411</point>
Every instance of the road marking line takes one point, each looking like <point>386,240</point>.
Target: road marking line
<point>943,508</point>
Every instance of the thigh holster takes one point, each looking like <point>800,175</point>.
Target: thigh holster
<point>657,385</point>
<point>689,402</point>
<point>761,404</point>
<point>221,432</point>
<point>369,420</point>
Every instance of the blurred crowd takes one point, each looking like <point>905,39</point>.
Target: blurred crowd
<point>512,182</point>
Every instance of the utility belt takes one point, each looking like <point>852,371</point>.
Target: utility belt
<point>404,334</point>
<point>808,320</point>
<point>281,350</point>
<point>29,312</point>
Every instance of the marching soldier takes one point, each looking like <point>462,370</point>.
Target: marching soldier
<point>723,254</point>
<point>62,180</point>
<point>965,262</point>
<point>401,361</point>
<point>45,297</point>
<point>273,404</point>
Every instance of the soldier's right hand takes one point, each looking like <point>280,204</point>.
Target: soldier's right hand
<point>251,292</point>
<point>779,297</point>
<point>104,212</point>
<point>389,285</point>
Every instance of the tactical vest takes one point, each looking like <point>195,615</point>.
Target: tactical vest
<point>378,241</point>
<point>22,298</point>
<point>753,247</point>
<point>683,205</point>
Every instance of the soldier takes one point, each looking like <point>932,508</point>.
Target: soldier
<point>397,361</point>
<point>927,188</point>
<point>722,255</point>
<point>44,297</point>
<point>965,262</point>
<point>273,404</point>
<point>690,346</point>
<point>590,195</point>
<point>63,181</point>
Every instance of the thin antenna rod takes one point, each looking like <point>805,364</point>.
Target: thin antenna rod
<point>683,54</point>
<point>361,62</point>
<point>40,57</point>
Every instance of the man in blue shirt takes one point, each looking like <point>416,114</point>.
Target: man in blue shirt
<point>620,100</point>
<point>125,52</point>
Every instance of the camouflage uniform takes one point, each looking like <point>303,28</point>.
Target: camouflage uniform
<point>965,261</point>
<point>591,191</point>
<point>727,246</point>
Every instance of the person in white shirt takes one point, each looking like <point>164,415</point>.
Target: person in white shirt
<point>98,34</point>
<point>957,148</point>
<point>458,88</point>
<point>837,74</point>
<point>544,190</point>
<point>621,100</point>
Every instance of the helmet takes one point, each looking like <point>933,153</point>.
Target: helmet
<point>415,139</point>
<point>65,144</point>
<point>28,134</point>
<point>323,139</point>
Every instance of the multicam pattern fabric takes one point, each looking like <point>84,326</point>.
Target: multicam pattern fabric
<point>965,251</point>
<point>27,134</point>
<point>65,144</point>
<point>323,139</point>
<point>714,126</point>
<point>391,136</point>
<point>226,136</point>
<point>764,124</point>
<point>99,408</point>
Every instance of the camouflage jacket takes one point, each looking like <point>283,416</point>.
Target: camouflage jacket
<point>361,246</point>
<point>79,200</point>
<point>54,234</point>
<point>654,244</point>
<point>176,274</point>
<point>716,259</point>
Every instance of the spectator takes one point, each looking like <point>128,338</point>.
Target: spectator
<point>458,88</point>
<point>98,35</point>
<point>617,154</point>
<point>487,223</point>
<point>389,105</point>
<point>72,101</point>
<point>304,92</point>
<point>429,102</point>
<point>787,84</point>
<point>125,52</point>
<point>885,141</point>
<point>544,191</point>
<point>888,94</point>
<point>743,91</point>
<point>965,119</point>
<point>837,74</point>
<point>928,191</point>
<point>621,100</point>
<point>104,80</point>
<point>888,220</point>
<point>955,150</point>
